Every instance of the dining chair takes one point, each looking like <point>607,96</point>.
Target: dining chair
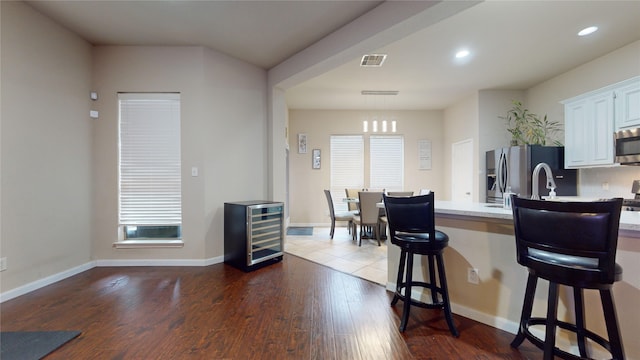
<point>339,216</point>
<point>352,194</point>
<point>369,214</point>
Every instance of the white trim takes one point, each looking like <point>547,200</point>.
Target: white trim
<point>35,285</point>
<point>491,320</point>
<point>136,244</point>
<point>505,324</point>
<point>159,262</point>
<point>327,225</point>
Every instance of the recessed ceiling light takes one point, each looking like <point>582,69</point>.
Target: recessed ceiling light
<point>587,31</point>
<point>462,54</point>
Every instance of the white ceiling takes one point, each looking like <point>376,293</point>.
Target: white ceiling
<point>514,44</point>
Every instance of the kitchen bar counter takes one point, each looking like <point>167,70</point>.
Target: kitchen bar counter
<point>629,220</point>
<point>481,238</point>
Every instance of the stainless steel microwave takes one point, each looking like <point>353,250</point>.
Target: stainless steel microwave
<point>628,146</point>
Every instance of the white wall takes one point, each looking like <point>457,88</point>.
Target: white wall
<point>223,116</point>
<point>545,98</point>
<point>460,123</point>
<point>46,147</point>
<point>308,204</point>
<point>233,129</point>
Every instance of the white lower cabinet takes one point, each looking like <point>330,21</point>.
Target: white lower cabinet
<point>592,118</point>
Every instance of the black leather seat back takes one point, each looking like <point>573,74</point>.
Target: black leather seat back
<point>413,214</point>
<point>567,237</point>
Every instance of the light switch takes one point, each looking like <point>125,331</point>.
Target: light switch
<point>194,171</point>
<point>93,114</point>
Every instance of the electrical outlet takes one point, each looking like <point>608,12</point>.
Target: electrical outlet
<point>472,276</point>
<point>605,186</point>
<point>3,264</point>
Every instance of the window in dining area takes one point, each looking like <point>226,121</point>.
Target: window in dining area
<point>386,162</point>
<point>347,166</point>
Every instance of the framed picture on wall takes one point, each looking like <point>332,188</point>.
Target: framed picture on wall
<point>315,159</point>
<point>302,143</point>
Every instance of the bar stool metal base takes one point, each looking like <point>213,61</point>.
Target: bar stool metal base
<point>439,294</point>
<point>613,345</point>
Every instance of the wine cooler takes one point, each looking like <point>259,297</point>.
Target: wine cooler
<point>253,233</point>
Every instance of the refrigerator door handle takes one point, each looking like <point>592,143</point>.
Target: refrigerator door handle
<point>502,173</point>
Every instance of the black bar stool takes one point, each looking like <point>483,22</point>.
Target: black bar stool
<point>412,228</point>
<point>572,244</point>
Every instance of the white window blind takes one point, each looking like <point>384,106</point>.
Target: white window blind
<point>149,159</point>
<point>347,166</point>
<point>386,155</point>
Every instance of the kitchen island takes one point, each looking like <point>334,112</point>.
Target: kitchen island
<point>481,237</point>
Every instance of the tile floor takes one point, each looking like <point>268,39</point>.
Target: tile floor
<point>368,261</point>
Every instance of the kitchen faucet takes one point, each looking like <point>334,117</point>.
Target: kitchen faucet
<point>534,179</point>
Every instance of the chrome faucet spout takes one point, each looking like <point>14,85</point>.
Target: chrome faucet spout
<point>551,184</point>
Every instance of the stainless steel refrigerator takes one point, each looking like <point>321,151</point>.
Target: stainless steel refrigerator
<point>511,168</point>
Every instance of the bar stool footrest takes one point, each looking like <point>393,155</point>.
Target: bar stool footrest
<point>566,326</point>
<point>418,303</point>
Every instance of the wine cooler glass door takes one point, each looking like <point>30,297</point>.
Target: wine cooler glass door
<point>265,238</point>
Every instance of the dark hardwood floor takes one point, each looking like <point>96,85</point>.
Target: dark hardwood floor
<point>295,309</point>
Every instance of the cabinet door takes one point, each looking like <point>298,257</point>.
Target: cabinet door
<point>576,134</point>
<point>589,130</point>
<point>601,146</point>
<point>628,105</point>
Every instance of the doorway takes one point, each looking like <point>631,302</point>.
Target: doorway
<point>462,171</point>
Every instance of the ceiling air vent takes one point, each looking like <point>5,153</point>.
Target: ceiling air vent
<point>373,60</point>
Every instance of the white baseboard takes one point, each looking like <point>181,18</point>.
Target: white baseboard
<point>491,320</point>
<point>35,285</point>
<point>506,324</point>
<point>339,224</point>
<point>159,262</point>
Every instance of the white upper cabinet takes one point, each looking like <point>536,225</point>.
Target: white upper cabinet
<point>589,122</point>
<point>627,110</point>
<point>592,118</point>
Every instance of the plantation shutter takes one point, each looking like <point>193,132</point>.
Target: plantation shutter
<point>149,158</point>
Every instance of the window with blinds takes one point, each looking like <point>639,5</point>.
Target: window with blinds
<point>150,196</point>
<point>386,155</point>
<point>347,166</point>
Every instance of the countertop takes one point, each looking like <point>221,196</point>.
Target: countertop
<point>629,220</point>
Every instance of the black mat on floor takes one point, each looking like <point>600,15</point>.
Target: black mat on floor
<point>27,345</point>
<point>300,230</point>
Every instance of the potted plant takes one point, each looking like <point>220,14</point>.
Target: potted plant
<point>527,128</point>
